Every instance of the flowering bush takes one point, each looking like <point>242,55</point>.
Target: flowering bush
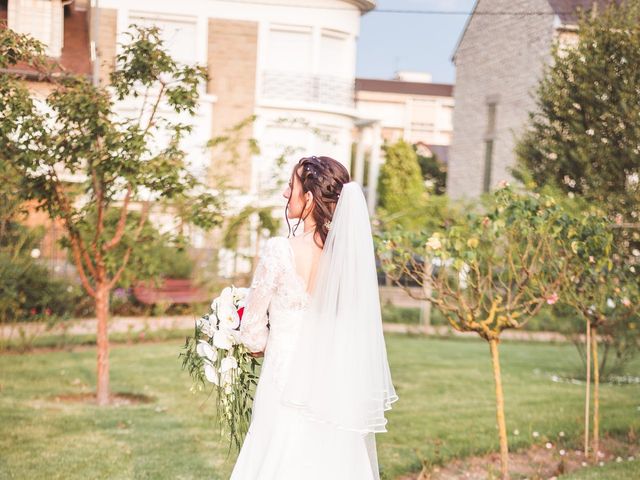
<point>214,355</point>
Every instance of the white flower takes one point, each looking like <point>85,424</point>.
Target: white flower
<point>434,243</point>
<point>549,445</point>
<point>590,132</point>
<point>225,299</point>
<point>516,432</point>
<point>204,324</point>
<point>204,350</point>
<point>561,434</point>
<point>211,374</point>
<point>562,453</point>
<point>611,303</point>
<point>635,252</point>
<point>618,459</point>
<point>228,317</point>
<point>553,155</point>
<point>228,363</point>
<point>535,434</point>
<point>35,253</point>
<point>240,296</point>
<point>223,339</point>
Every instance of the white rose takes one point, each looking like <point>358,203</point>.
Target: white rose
<point>228,318</point>
<point>434,243</point>
<point>204,350</point>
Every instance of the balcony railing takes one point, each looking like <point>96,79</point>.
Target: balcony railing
<point>324,89</point>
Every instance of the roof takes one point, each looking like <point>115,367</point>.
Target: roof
<point>398,86</point>
<point>364,5</point>
<point>568,11</point>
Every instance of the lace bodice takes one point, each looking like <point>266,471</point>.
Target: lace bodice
<point>278,297</point>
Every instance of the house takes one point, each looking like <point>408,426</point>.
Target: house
<point>409,107</point>
<point>499,62</point>
<point>63,27</point>
<point>289,64</point>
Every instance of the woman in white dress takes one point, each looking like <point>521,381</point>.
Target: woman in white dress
<point>313,309</point>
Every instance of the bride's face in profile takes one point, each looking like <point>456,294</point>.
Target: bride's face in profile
<point>299,203</point>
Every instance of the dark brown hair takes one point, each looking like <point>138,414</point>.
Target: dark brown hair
<point>324,178</point>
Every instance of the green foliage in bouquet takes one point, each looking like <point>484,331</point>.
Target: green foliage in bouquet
<point>214,355</point>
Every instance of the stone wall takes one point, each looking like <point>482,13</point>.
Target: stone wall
<point>501,59</point>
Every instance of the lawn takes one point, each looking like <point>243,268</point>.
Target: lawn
<point>445,410</point>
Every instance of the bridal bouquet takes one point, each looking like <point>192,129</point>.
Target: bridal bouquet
<point>214,355</point>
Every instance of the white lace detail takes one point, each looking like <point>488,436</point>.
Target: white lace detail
<point>277,296</point>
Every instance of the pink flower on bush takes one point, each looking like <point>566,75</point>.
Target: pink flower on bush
<point>553,298</point>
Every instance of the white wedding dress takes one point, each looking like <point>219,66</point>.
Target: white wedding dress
<point>282,443</point>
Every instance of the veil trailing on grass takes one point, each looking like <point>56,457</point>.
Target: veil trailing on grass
<point>339,373</point>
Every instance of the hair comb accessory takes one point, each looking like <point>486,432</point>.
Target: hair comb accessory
<point>327,224</point>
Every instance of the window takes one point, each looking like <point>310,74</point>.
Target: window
<point>335,54</point>
<point>488,144</point>
<point>289,49</point>
<point>178,34</point>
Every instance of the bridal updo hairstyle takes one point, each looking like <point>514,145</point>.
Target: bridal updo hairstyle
<point>324,178</point>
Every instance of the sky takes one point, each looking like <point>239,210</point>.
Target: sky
<point>389,41</point>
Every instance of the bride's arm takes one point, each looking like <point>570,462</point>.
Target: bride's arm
<point>253,327</point>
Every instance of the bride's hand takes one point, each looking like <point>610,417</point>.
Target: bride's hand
<point>256,354</point>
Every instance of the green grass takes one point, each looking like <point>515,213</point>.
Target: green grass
<point>612,471</point>
<point>445,389</point>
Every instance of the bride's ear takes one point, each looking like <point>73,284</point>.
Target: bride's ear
<point>308,202</point>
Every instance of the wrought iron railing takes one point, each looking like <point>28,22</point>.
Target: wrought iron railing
<point>323,89</point>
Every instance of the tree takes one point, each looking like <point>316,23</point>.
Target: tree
<point>584,137</point>
<point>494,271</point>
<point>119,161</point>
<point>603,290</point>
<point>401,189</point>
<point>434,172</point>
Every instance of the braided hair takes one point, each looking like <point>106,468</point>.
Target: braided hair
<point>324,178</point>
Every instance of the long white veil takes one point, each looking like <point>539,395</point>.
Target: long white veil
<point>339,373</point>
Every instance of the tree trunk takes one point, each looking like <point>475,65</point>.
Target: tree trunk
<point>596,394</point>
<point>427,290</point>
<point>588,392</point>
<point>502,426</point>
<point>102,313</point>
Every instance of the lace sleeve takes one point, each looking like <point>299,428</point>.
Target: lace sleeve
<point>253,328</point>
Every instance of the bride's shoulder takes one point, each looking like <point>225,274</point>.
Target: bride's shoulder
<point>276,244</point>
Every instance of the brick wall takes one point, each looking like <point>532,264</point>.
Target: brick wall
<point>232,56</point>
<point>108,24</point>
<point>500,57</point>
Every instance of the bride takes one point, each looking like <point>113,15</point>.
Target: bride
<point>314,311</point>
